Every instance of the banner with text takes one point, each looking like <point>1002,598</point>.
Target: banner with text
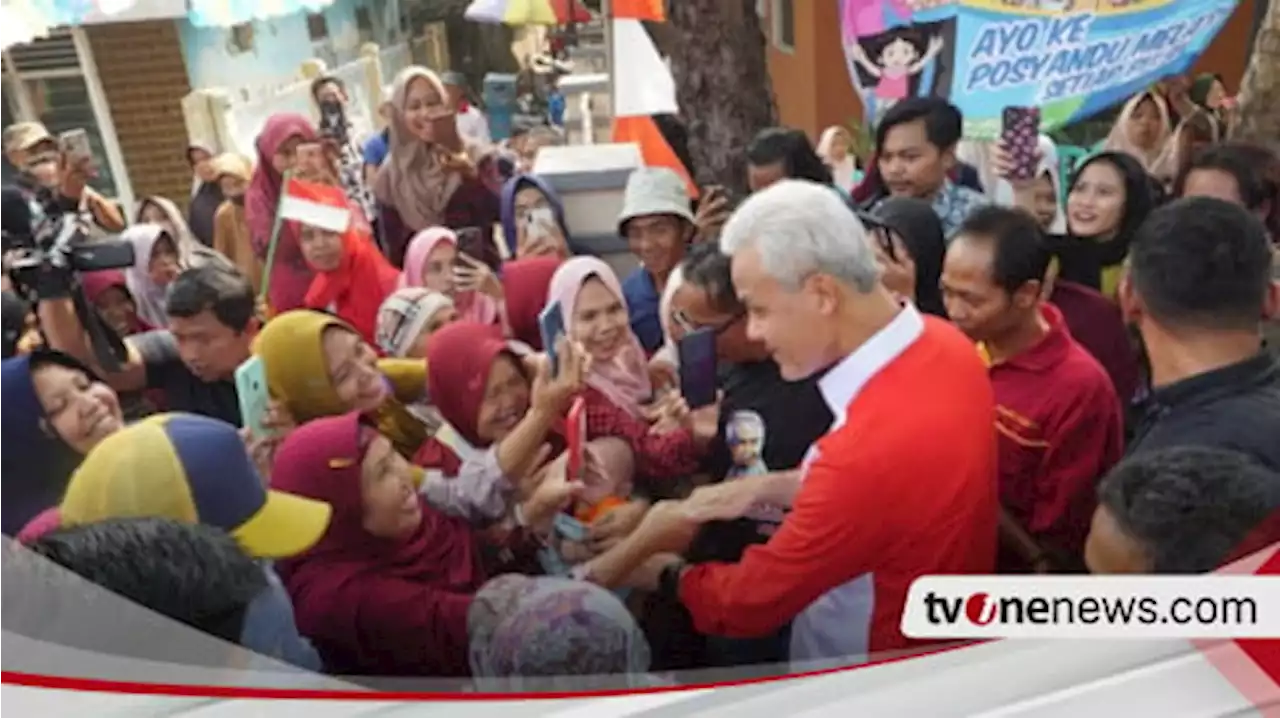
<point>1071,58</point>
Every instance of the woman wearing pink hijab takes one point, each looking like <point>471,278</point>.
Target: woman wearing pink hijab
<point>618,388</point>
<point>276,144</point>
<point>433,262</point>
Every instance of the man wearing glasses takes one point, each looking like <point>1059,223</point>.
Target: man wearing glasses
<point>792,416</point>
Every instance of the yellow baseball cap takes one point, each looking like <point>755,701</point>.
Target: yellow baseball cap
<point>196,470</point>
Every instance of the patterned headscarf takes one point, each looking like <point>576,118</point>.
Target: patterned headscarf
<point>571,633</point>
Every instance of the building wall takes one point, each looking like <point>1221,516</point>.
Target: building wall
<point>795,77</point>
<point>814,89</point>
<point>280,45</point>
<point>143,77</point>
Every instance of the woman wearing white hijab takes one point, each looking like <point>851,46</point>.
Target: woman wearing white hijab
<point>1043,197</point>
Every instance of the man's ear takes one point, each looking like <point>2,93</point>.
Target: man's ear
<point>1130,302</point>
<point>948,158</point>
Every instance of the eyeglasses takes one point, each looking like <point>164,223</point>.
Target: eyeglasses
<point>689,326</point>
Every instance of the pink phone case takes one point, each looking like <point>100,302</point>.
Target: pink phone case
<point>1020,131</point>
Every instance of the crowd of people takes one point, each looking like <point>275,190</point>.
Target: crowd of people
<point>919,373</point>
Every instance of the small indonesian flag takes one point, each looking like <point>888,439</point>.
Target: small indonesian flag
<point>316,205</point>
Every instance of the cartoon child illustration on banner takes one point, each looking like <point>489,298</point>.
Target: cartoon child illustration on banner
<point>898,60</point>
<point>891,56</point>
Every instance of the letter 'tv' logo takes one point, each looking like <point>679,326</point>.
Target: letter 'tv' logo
<point>980,609</point>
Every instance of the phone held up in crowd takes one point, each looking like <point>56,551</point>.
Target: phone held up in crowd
<point>333,121</point>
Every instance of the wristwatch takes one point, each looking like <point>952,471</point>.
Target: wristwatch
<point>669,580</point>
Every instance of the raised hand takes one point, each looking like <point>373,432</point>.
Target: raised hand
<point>472,275</point>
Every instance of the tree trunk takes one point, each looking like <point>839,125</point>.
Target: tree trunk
<point>722,84</point>
<point>1258,117</point>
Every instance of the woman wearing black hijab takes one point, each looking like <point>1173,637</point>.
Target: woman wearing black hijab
<point>1111,195</point>
<point>915,228</point>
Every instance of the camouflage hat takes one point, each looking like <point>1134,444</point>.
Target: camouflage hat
<point>23,136</point>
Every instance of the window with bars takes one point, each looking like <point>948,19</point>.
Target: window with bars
<point>44,82</point>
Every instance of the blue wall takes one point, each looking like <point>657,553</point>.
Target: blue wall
<point>280,46</point>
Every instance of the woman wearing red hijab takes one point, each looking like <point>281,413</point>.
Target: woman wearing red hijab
<point>525,283</point>
<point>277,145</point>
<point>387,589</point>
<point>352,278</point>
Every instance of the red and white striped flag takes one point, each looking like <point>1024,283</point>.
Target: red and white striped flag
<point>316,205</point>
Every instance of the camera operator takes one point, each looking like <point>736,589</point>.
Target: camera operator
<point>212,323</point>
<point>44,169</point>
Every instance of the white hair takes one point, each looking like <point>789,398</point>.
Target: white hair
<point>799,228</point>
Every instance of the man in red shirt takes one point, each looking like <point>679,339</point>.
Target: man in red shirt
<point>902,485</point>
<point>1058,421</point>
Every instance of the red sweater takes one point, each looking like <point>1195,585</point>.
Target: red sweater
<point>660,457</point>
<point>1060,429</point>
<point>903,486</point>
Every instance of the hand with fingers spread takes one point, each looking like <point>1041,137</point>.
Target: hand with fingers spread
<point>472,275</point>
<point>551,395</point>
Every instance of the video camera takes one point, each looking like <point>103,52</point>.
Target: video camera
<point>43,261</point>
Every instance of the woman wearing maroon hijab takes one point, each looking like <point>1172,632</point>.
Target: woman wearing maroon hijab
<point>276,145</point>
<point>387,589</point>
<point>525,283</point>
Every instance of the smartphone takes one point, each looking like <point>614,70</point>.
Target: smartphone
<point>551,326</point>
<point>539,220</point>
<point>475,243</point>
<point>697,351</point>
<point>333,120</point>
<point>251,389</point>
<point>884,236</point>
<point>1019,135</point>
<point>445,130</point>
<point>75,146</point>
<point>720,191</point>
<point>575,423</point>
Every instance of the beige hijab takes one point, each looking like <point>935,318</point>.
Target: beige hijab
<point>1120,141</point>
<point>417,178</point>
